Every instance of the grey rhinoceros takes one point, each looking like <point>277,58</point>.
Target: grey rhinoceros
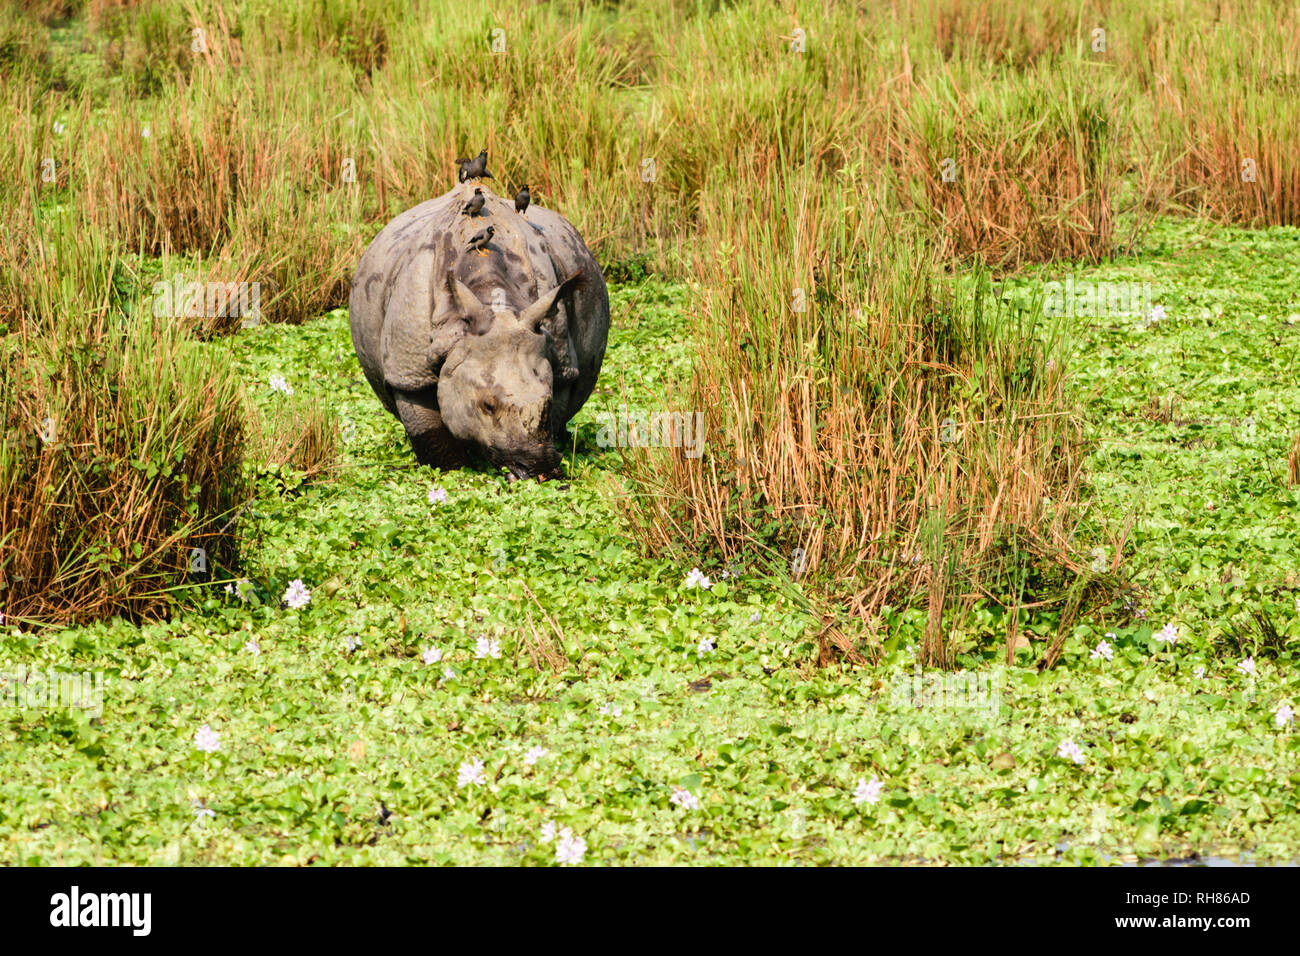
<point>496,350</point>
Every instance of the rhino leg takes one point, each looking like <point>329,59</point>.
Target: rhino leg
<point>434,444</point>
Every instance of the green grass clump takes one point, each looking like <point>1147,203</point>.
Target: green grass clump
<point>123,444</point>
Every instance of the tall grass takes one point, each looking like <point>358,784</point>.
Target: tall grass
<point>869,422</point>
<point>1221,92</point>
<point>1039,125</point>
<point>301,436</point>
<point>1025,169</point>
<point>24,43</point>
<point>123,444</point>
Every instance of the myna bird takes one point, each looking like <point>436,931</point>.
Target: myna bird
<point>475,169</point>
<point>462,169</point>
<point>478,242</point>
<point>522,199</point>
<point>475,203</point>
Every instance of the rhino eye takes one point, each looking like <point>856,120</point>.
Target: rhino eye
<point>489,407</point>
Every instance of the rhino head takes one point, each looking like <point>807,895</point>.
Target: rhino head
<point>496,384</point>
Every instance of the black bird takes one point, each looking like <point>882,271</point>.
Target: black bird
<point>522,199</point>
<point>475,203</point>
<point>475,169</point>
<point>478,242</point>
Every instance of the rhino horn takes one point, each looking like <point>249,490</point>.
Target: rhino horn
<point>532,317</point>
<point>477,315</point>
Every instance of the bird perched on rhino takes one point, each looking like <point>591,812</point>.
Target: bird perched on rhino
<point>522,199</point>
<point>475,169</point>
<point>475,204</point>
<point>478,242</point>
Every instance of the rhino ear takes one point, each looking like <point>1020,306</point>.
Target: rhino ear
<point>477,315</point>
<point>533,316</point>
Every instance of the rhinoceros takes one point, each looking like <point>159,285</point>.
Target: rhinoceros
<point>496,350</point>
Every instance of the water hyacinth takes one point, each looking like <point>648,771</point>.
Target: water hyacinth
<point>470,774</point>
<point>698,579</point>
<point>278,384</point>
<point>611,710</point>
<point>431,655</point>
<point>534,754</point>
<point>1103,651</point>
<point>1284,716</point>
<point>297,595</point>
<point>548,831</point>
<point>1247,666</point>
<point>207,740</point>
<point>704,647</point>
<point>487,647</point>
<point>570,849</point>
<point>1167,634</point>
<point>437,496</point>
<point>867,791</point>
<point>253,647</point>
<point>1070,751</point>
<point>351,643</point>
<point>684,798</point>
